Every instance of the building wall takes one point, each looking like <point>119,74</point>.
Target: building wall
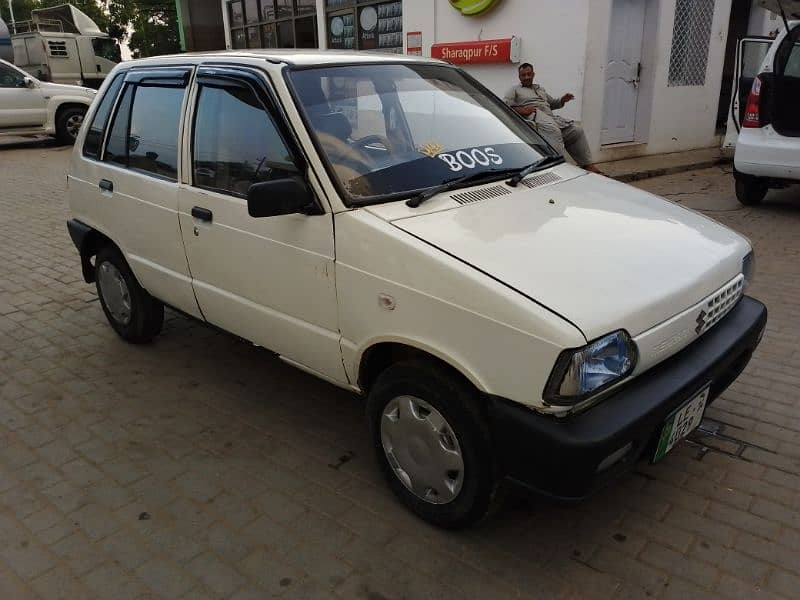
<point>202,25</point>
<point>671,119</point>
<point>553,34</point>
<point>567,41</point>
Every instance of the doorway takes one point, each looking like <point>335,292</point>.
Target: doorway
<point>737,29</point>
<point>623,71</point>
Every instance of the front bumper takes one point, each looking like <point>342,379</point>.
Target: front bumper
<point>560,457</point>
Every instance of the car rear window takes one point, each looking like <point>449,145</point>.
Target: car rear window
<point>94,137</point>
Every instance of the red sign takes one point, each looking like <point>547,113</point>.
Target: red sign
<point>505,50</point>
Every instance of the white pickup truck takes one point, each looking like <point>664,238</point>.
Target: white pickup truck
<point>32,107</point>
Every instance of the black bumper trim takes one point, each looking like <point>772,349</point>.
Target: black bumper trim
<point>559,457</point>
<point>80,232</point>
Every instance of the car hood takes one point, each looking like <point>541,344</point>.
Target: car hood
<point>602,254</point>
<point>61,89</point>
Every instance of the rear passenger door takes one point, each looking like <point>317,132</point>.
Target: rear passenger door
<point>135,181</point>
<point>269,280</point>
<point>20,105</point>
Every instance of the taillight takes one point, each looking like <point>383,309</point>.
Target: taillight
<point>752,114</point>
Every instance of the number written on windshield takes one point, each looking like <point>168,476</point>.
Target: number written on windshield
<point>471,159</point>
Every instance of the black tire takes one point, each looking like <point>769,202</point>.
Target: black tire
<point>750,190</point>
<point>458,403</point>
<point>66,132</point>
<point>146,314</point>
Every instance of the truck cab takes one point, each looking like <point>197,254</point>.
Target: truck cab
<point>63,45</point>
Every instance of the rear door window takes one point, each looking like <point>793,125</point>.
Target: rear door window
<point>144,136</point>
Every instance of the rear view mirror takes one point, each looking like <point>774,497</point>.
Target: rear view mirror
<point>286,196</point>
<point>28,82</point>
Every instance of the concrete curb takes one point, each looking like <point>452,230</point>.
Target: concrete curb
<point>658,172</point>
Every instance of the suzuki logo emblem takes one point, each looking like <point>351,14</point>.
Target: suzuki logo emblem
<point>701,322</point>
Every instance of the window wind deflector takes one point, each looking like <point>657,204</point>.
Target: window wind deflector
<point>163,77</point>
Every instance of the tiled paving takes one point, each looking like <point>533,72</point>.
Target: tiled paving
<point>203,467</point>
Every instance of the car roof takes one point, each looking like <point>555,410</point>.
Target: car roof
<point>293,57</point>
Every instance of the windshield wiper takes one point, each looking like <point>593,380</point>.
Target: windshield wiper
<point>539,164</point>
<point>415,201</point>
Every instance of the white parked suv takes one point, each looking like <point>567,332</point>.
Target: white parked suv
<point>32,107</point>
<point>390,226</point>
<point>768,147</point>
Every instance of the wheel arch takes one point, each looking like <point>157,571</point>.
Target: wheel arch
<point>380,354</point>
<point>88,241</point>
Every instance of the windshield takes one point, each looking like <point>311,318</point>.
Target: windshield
<point>390,130</point>
<point>107,48</point>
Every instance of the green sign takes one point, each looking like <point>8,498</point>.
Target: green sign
<point>473,7</point>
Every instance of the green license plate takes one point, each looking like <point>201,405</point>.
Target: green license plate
<point>681,422</point>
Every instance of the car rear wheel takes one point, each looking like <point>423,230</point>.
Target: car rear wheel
<point>133,313</point>
<point>432,443</point>
<point>69,124</point>
<point>750,190</point>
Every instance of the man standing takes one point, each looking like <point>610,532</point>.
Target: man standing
<point>531,101</point>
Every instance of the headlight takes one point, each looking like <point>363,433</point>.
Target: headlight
<point>589,370</point>
<point>749,268</point>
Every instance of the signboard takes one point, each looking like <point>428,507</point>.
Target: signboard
<point>473,7</point>
<point>414,43</point>
<point>506,50</point>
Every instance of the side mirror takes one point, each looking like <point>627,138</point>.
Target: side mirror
<point>28,82</point>
<point>286,196</point>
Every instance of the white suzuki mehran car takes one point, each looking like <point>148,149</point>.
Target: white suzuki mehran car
<point>387,224</point>
<point>764,109</point>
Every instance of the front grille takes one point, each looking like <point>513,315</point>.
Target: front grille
<point>481,194</point>
<point>719,304</point>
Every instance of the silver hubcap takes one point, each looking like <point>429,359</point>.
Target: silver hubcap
<point>115,292</point>
<point>422,449</point>
<point>74,125</point>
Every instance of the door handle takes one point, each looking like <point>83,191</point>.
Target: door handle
<point>198,212</point>
<point>106,185</point>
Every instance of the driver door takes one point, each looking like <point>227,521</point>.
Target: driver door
<point>268,280</point>
<point>20,105</point>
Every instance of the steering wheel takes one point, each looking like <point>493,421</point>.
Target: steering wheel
<point>372,139</point>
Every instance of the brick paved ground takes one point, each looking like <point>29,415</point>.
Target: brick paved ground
<point>202,467</point>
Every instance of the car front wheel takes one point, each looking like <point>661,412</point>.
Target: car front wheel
<point>69,124</point>
<point>750,190</point>
<point>432,443</point>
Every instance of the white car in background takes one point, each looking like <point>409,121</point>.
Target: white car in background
<point>765,110</point>
<point>32,107</point>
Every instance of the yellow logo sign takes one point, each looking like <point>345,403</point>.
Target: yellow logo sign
<point>431,149</point>
<point>473,7</point>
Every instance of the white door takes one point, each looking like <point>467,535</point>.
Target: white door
<point>20,105</point>
<point>750,54</point>
<point>269,280</point>
<point>622,71</point>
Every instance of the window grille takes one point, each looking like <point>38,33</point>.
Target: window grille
<point>691,37</point>
<point>57,48</point>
